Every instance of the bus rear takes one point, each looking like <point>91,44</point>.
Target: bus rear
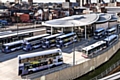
<point>32,62</point>
<point>12,46</point>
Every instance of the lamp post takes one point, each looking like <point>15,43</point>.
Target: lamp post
<point>73,48</point>
<point>73,52</point>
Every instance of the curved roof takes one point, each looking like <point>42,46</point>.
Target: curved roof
<point>75,20</point>
<point>113,17</point>
<point>103,17</point>
<point>51,51</point>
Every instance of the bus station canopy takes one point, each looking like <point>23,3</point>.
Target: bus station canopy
<point>80,20</point>
<point>113,17</point>
<point>71,21</point>
<point>103,17</point>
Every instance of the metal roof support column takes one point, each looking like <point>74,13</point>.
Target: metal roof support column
<point>72,29</point>
<point>51,30</point>
<point>85,32</point>
<point>62,29</point>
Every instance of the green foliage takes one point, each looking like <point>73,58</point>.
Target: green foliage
<point>101,68</point>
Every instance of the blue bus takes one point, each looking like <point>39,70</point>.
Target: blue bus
<point>99,33</point>
<point>33,42</point>
<point>32,62</point>
<point>50,41</point>
<point>66,39</point>
<point>12,46</point>
<point>111,39</point>
<point>111,31</point>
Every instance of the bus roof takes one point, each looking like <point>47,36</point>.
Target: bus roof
<point>12,43</point>
<point>5,32</point>
<point>30,55</point>
<point>33,37</point>
<point>110,37</point>
<point>19,33</point>
<point>66,35</point>
<point>51,36</point>
<point>111,29</point>
<point>99,29</point>
<point>87,48</point>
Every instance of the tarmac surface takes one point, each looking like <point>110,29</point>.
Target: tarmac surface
<point>20,26</point>
<point>9,62</point>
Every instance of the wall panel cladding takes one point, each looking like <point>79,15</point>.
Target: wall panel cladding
<point>80,69</point>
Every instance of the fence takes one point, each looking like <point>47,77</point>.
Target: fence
<point>103,74</point>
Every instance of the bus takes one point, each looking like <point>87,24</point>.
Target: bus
<point>6,32</point>
<point>111,31</point>
<point>32,62</point>
<point>18,35</point>
<point>92,49</point>
<point>50,41</point>
<point>33,42</point>
<point>66,39</point>
<point>111,39</point>
<point>12,46</point>
<point>99,33</point>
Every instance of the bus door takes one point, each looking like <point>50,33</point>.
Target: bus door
<point>59,42</point>
<point>21,70</point>
<point>75,38</point>
<point>27,46</point>
<point>45,43</point>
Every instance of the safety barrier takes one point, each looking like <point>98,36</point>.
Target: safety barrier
<point>83,68</point>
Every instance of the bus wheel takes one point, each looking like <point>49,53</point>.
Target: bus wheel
<point>48,47</point>
<point>30,72</point>
<point>54,66</point>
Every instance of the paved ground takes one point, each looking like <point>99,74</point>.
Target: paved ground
<point>9,64</point>
<point>20,27</point>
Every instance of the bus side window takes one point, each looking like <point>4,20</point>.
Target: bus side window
<point>45,63</point>
<point>22,61</point>
<point>12,46</point>
<point>50,61</point>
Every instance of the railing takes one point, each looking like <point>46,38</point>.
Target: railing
<point>103,74</point>
<point>45,72</point>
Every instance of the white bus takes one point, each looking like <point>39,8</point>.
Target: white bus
<point>92,49</point>
<point>17,35</point>
<point>66,39</point>
<point>12,46</point>
<point>33,42</point>
<point>29,63</point>
<point>99,33</point>
<point>111,31</point>
<point>50,41</point>
<point>111,39</point>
